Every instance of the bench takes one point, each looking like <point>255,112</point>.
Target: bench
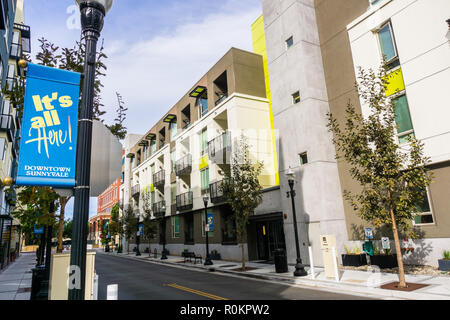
<point>190,255</point>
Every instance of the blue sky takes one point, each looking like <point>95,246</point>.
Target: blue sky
<point>156,49</point>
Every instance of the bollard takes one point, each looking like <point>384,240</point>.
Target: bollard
<point>112,292</point>
<point>336,271</point>
<point>311,261</point>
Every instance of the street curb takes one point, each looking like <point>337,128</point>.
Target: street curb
<point>347,288</point>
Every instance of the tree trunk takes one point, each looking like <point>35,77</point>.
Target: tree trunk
<point>149,250</point>
<point>401,270</point>
<point>243,256</point>
<point>62,202</point>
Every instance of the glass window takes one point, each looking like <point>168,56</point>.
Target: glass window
<point>424,215</point>
<point>153,144</point>
<point>173,158</point>
<point>173,195</point>
<point>173,130</point>
<point>303,158</point>
<point>289,42</point>
<point>403,118</point>
<point>205,180</point>
<point>387,43</point>
<point>204,142</point>
<point>6,108</point>
<point>2,148</point>
<point>176,227</point>
<point>202,103</point>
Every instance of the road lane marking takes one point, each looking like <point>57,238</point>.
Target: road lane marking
<point>200,293</point>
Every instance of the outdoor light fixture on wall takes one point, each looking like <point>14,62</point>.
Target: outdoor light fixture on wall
<point>448,32</point>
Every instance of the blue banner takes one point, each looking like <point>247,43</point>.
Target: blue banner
<point>49,128</point>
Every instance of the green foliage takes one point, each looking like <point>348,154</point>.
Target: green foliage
<point>118,129</point>
<point>393,177</point>
<point>446,255</point>
<point>67,230</point>
<point>242,188</point>
<point>114,223</point>
<point>150,225</point>
<point>129,223</point>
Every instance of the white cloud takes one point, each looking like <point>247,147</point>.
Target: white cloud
<point>152,75</point>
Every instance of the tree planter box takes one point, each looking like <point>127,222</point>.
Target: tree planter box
<point>384,261</point>
<point>354,260</point>
<point>444,265</point>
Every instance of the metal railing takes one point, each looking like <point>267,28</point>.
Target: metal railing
<point>216,193</point>
<point>184,165</point>
<point>159,178</point>
<point>185,201</point>
<point>135,190</point>
<point>158,209</point>
<point>219,148</point>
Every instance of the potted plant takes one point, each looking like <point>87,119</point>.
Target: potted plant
<point>384,259</point>
<point>215,255</point>
<point>354,258</point>
<point>444,264</point>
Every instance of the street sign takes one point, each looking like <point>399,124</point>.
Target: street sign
<point>38,230</point>
<point>368,233</point>
<point>49,128</point>
<point>141,230</point>
<point>385,242</point>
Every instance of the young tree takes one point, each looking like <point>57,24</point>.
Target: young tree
<point>118,129</point>
<point>129,225</point>
<point>62,209</point>
<point>393,178</point>
<point>114,223</point>
<point>242,189</point>
<point>150,225</point>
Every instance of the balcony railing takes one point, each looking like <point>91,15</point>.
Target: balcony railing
<point>185,201</point>
<point>16,51</point>
<point>216,193</point>
<point>135,190</point>
<point>159,178</point>
<point>221,98</point>
<point>159,209</point>
<point>184,165</point>
<point>220,149</point>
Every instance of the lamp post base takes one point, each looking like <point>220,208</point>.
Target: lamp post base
<point>300,269</point>
<point>208,261</point>
<point>163,255</point>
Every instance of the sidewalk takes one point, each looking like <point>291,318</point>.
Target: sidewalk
<point>361,283</point>
<point>15,280</point>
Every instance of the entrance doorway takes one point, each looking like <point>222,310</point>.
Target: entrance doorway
<point>270,237</point>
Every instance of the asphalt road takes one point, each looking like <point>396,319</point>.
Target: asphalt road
<point>139,280</point>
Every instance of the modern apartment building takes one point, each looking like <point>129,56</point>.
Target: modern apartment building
<point>184,156</point>
<point>314,48</point>
<point>15,42</point>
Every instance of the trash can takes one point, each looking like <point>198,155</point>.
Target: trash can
<point>39,284</point>
<point>281,264</point>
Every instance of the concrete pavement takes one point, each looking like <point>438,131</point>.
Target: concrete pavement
<point>361,283</point>
<point>15,280</point>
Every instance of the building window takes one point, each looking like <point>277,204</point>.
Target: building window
<point>202,104</point>
<point>173,157</point>
<point>403,119</point>
<point>289,42</point>
<point>303,158</point>
<point>173,130</point>
<point>387,45</point>
<point>175,227</point>
<point>173,195</point>
<point>204,142</point>
<point>296,97</point>
<point>153,146</point>
<point>3,145</point>
<point>204,174</point>
<point>424,214</point>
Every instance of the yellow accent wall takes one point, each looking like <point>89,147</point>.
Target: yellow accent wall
<point>259,47</point>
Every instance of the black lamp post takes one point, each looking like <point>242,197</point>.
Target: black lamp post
<point>138,238</point>
<point>208,261</point>
<point>163,253</point>
<point>299,267</point>
<point>92,16</point>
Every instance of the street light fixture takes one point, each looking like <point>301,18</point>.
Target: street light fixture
<point>208,261</point>
<point>299,267</point>
<point>448,32</point>
<point>163,254</point>
<point>92,18</point>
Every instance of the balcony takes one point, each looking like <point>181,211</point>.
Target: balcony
<point>220,149</point>
<point>216,193</point>
<point>159,209</point>
<point>159,179</point>
<point>183,166</point>
<point>185,201</point>
<point>135,190</point>
<point>7,125</point>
